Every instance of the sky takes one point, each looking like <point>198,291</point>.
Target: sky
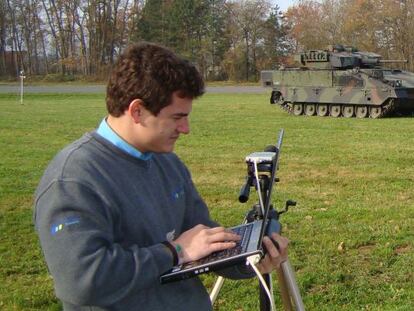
<point>284,4</point>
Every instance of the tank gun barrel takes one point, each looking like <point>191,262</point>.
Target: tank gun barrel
<point>387,61</point>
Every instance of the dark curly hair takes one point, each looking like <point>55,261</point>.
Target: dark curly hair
<point>151,73</point>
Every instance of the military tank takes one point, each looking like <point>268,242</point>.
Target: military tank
<point>341,81</point>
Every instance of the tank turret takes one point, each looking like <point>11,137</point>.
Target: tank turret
<point>341,81</point>
<point>339,57</point>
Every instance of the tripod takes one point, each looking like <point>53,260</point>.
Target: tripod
<point>261,174</point>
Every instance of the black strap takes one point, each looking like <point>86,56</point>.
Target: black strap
<point>173,252</point>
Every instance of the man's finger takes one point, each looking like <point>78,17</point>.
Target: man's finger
<point>281,241</point>
<point>215,247</point>
<point>221,234</point>
<point>270,247</point>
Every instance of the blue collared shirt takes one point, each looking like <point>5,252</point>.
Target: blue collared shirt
<point>106,132</point>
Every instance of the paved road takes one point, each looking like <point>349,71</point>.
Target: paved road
<point>89,89</point>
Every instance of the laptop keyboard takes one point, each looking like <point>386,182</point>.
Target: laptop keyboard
<point>241,246</point>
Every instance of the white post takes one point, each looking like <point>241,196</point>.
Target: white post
<point>22,76</point>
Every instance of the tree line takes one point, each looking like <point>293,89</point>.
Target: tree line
<point>226,39</point>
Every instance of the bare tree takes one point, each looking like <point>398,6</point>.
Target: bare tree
<point>3,22</point>
<point>16,40</point>
<point>249,17</point>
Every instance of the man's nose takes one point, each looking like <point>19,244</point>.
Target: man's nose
<point>184,126</point>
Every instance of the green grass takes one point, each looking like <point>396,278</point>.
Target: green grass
<point>352,179</point>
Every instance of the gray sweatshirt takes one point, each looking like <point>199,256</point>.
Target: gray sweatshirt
<point>101,216</point>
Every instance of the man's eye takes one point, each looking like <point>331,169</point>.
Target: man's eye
<point>178,117</point>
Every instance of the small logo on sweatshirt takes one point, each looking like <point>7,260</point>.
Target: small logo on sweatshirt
<point>178,193</point>
<point>66,222</point>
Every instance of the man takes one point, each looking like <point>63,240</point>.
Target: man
<point>116,208</point>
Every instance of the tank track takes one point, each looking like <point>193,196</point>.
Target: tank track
<point>387,109</point>
<point>285,106</point>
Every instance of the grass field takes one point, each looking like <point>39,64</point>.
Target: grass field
<point>352,232</point>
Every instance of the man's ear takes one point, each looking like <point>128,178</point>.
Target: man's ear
<point>136,109</point>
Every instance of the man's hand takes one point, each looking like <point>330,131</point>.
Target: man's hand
<point>275,254</point>
<point>201,241</point>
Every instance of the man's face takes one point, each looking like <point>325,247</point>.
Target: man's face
<point>159,133</point>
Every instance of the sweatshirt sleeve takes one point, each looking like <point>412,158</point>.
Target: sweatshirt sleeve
<point>89,267</point>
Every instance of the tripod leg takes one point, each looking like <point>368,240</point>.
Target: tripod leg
<point>290,279</point>
<point>216,289</point>
<point>265,304</point>
<point>284,291</point>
